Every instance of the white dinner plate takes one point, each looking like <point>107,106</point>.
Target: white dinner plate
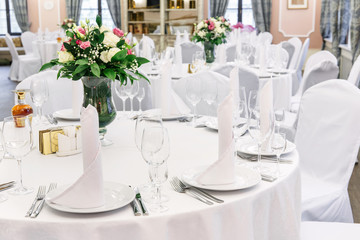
<point>244,178</point>
<point>284,71</point>
<point>172,117</point>
<point>116,196</point>
<point>66,114</point>
<point>213,123</point>
<point>248,146</point>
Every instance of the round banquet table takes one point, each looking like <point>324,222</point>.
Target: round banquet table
<point>47,50</point>
<point>269,210</point>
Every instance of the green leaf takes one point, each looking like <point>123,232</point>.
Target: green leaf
<point>67,46</point>
<point>95,69</point>
<point>69,34</point>
<point>120,43</point>
<point>101,37</point>
<point>130,57</point>
<point>98,21</point>
<point>119,56</point>
<point>80,68</point>
<point>141,60</point>
<point>110,73</point>
<point>46,66</point>
<point>73,42</point>
<point>81,62</point>
<point>142,76</point>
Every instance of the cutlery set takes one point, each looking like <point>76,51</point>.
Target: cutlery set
<point>51,119</point>
<point>6,186</point>
<point>263,158</point>
<point>35,208</point>
<point>138,201</point>
<point>194,192</point>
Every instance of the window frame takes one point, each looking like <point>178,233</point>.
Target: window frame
<point>8,24</point>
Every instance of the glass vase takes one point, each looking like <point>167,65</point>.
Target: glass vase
<point>97,92</point>
<point>209,52</point>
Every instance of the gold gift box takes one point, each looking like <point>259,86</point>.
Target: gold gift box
<point>48,140</point>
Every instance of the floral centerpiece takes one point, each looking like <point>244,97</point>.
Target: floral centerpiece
<point>243,27</point>
<point>67,23</point>
<point>211,32</point>
<point>96,55</point>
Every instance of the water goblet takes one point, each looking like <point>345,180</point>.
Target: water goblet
<point>140,96</point>
<point>210,92</point>
<point>132,90</point>
<point>120,92</point>
<point>39,93</point>
<point>278,145</point>
<point>193,94</point>
<point>17,140</point>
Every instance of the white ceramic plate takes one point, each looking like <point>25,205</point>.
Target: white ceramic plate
<point>213,123</point>
<point>66,114</point>
<point>117,195</point>
<point>284,71</point>
<point>171,117</point>
<point>248,146</point>
<point>244,178</point>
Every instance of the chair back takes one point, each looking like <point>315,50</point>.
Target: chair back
<point>290,49</point>
<point>27,38</point>
<point>296,42</point>
<point>265,38</point>
<point>188,49</point>
<point>328,132</point>
<point>11,45</point>
<point>231,53</point>
<point>302,58</point>
<point>354,76</point>
<point>318,57</point>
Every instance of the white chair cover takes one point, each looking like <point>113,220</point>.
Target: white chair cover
<point>202,108</point>
<point>188,49</point>
<point>231,53</point>
<point>136,48</point>
<point>60,91</point>
<point>129,36</point>
<point>328,140</point>
<point>301,61</point>
<point>290,49</point>
<point>21,66</point>
<point>27,38</point>
<point>329,231</point>
<point>296,42</point>
<point>185,37</point>
<point>354,76</point>
<point>265,37</point>
<point>146,47</point>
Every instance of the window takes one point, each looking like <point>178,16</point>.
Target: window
<point>240,11</point>
<point>8,23</point>
<point>91,8</point>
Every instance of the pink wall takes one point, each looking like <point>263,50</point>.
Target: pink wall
<point>296,22</point>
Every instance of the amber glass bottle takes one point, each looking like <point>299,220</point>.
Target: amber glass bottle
<point>21,109</point>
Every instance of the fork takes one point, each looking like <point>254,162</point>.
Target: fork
<point>40,206</point>
<point>254,158</point>
<point>39,196</point>
<point>178,189</point>
<point>203,193</point>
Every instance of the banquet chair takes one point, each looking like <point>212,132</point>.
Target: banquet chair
<point>290,49</point>
<point>136,48</point>
<point>354,76</point>
<point>202,108</point>
<point>60,91</point>
<point>188,49</point>
<point>296,42</point>
<point>265,37</point>
<point>27,38</point>
<point>146,47</point>
<point>329,231</point>
<point>21,66</point>
<point>231,53</point>
<point>328,145</point>
<point>129,36</point>
<point>300,62</point>
<point>320,67</point>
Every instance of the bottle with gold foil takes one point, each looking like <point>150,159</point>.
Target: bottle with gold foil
<point>21,109</point>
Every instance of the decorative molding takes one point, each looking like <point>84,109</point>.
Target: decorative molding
<point>296,35</point>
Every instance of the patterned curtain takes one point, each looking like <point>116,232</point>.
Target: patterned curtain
<point>115,11</point>
<point>325,20</point>
<point>218,7</point>
<point>355,28</point>
<point>21,14</point>
<point>262,14</point>
<point>73,9</point>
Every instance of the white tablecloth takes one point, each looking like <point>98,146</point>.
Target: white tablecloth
<point>268,211</point>
<point>47,50</point>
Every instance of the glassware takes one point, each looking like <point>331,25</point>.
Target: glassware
<point>120,92</point>
<point>39,93</point>
<point>193,94</point>
<point>17,140</point>
<point>131,90</point>
<point>140,96</point>
<point>152,119</point>
<point>278,145</point>
<point>210,91</point>
<point>241,115</point>
<point>155,149</point>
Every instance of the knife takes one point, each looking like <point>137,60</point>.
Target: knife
<point>7,184</point>
<point>142,205</point>
<point>135,207</point>
<point>6,188</point>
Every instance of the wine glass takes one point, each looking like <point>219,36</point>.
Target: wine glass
<point>210,91</point>
<point>278,145</point>
<point>279,118</point>
<point>39,93</point>
<point>194,66</point>
<point>131,90</point>
<point>241,115</point>
<point>140,96</point>
<point>150,119</point>
<point>120,92</point>
<point>17,140</point>
<point>155,149</point>
<point>193,94</point>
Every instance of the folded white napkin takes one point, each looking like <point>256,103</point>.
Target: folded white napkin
<point>266,109</point>
<point>170,102</point>
<point>177,61</point>
<point>77,97</point>
<point>223,170</point>
<point>178,38</point>
<point>186,37</point>
<point>88,190</point>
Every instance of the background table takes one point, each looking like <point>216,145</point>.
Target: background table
<point>266,211</point>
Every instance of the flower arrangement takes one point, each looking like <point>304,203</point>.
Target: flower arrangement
<point>212,30</point>
<point>67,23</point>
<point>244,28</point>
<point>90,50</point>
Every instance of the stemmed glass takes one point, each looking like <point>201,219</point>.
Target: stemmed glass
<point>140,96</point>
<point>241,115</point>
<point>3,198</point>
<point>121,93</point>
<point>131,90</point>
<point>17,140</point>
<point>278,145</point>
<point>155,149</point>
<point>39,93</point>
<point>210,91</point>
<point>193,94</point>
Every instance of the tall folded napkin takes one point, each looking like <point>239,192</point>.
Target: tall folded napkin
<point>177,68</point>
<point>170,102</point>
<point>266,109</point>
<point>77,92</point>
<point>88,190</point>
<point>223,170</point>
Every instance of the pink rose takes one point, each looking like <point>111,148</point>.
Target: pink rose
<point>248,28</point>
<point>238,25</point>
<point>211,26</point>
<point>81,30</point>
<point>118,32</point>
<point>63,49</point>
<point>222,19</point>
<point>85,45</point>
<point>78,42</point>
<point>129,52</point>
<point>127,40</point>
